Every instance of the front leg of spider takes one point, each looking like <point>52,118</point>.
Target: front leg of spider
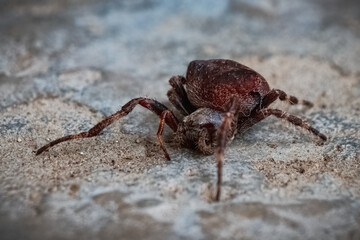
<point>225,132</point>
<point>166,116</point>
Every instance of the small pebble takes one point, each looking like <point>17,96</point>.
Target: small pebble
<point>19,140</point>
<point>191,172</point>
<point>81,153</point>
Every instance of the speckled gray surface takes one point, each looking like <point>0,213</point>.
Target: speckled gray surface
<point>64,65</point>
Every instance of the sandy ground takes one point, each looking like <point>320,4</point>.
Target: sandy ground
<point>65,65</point>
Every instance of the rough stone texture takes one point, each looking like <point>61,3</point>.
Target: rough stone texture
<point>64,65</point>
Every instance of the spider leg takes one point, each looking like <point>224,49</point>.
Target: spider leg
<point>225,133</point>
<point>164,115</point>
<point>269,98</point>
<point>264,113</point>
<point>277,93</point>
<point>178,96</point>
<point>147,103</point>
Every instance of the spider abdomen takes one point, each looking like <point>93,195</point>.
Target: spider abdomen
<point>213,83</point>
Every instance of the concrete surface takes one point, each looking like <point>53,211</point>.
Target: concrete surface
<point>64,65</point>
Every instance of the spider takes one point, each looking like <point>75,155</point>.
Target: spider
<point>218,99</point>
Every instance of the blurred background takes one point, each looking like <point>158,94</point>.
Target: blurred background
<point>64,64</point>
<point>141,44</point>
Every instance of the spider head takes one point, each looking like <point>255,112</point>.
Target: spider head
<point>198,130</point>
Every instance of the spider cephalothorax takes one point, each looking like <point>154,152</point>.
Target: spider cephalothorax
<point>218,98</point>
<point>199,130</point>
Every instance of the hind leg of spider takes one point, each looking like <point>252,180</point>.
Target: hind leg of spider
<point>274,94</point>
<point>178,96</point>
<point>225,132</point>
<point>264,113</point>
<point>147,103</point>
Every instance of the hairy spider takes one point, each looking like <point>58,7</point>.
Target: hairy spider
<point>222,98</point>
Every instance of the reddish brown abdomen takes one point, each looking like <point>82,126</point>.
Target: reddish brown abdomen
<point>213,83</point>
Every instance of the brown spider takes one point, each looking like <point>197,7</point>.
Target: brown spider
<point>221,98</point>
